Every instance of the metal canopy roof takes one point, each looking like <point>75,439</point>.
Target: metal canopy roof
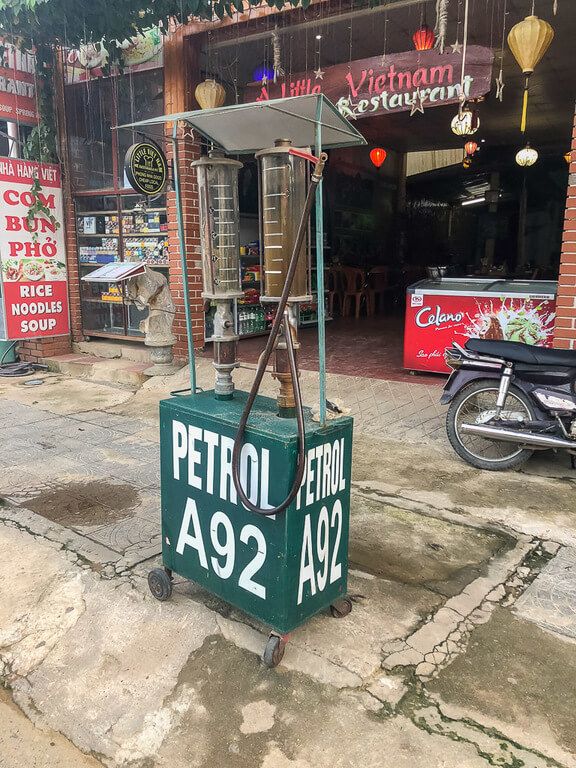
<point>247,128</point>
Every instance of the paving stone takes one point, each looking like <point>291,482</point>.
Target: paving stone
<point>550,601</point>
<point>425,669</point>
<point>435,632</point>
<point>406,658</point>
<point>496,594</point>
<point>388,689</point>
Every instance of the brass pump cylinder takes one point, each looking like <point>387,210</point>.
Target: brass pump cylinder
<point>283,184</point>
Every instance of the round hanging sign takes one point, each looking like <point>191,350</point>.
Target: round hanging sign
<point>146,168</point>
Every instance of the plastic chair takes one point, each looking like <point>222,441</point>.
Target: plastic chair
<point>378,287</point>
<point>354,290</point>
<point>334,289</point>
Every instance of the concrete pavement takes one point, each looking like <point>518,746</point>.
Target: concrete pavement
<point>460,653</point>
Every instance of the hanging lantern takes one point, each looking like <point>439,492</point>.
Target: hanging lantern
<point>210,94</point>
<point>470,147</point>
<point>466,122</point>
<point>568,157</point>
<point>424,38</point>
<point>467,162</point>
<point>529,40</point>
<point>527,156</point>
<point>263,73</point>
<point>378,155</point>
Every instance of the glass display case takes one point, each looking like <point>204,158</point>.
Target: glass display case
<point>251,316</point>
<point>112,228</point>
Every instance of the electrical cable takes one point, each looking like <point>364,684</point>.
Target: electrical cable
<point>14,369</point>
<point>279,320</point>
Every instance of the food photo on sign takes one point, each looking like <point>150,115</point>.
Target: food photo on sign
<point>32,251</point>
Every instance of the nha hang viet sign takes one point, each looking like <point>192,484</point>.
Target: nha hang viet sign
<point>386,84</point>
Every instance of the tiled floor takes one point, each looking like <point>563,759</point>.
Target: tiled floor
<point>370,347</point>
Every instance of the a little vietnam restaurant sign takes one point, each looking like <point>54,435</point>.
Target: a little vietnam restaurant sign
<point>386,84</point>
<point>32,253</point>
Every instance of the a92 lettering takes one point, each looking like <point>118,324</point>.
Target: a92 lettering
<point>329,570</point>
<point>224,544</point>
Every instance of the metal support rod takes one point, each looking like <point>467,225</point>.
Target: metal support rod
<point>182,248</point>
<point>320,278</point>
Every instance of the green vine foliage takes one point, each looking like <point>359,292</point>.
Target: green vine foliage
<point>72,22</point>
<point>39,208</point>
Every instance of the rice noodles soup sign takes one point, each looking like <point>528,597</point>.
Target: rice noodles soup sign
<point>382,85</point>
<point>32,254</point>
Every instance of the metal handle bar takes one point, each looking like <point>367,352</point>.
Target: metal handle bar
<point>305,155</point>
<point>265,356</point>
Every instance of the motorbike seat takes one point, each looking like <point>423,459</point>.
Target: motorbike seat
<point>515,352</point>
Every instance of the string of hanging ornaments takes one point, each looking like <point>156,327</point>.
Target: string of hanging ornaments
<point>210,94</point>
<point>466,121</point>
<point>529,40</point>
<point>424,37</point>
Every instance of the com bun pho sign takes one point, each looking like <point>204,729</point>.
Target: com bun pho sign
<point>34,285</point>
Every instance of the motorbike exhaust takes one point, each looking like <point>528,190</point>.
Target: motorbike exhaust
<point>529,439</point>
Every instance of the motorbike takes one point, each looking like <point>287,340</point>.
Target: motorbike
<point>509,399</point>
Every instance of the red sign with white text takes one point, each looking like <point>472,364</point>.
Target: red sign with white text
<point>385,84</point>
<point>433,322</point>
<point>32,254</point>
<point>17,85</point>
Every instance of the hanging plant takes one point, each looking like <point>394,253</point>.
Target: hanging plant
<point>38,208</point>
<point>41,144</point>
<point>70,23</point>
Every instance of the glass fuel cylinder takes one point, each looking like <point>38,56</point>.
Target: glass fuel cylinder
<point>283,183</point>
<point>219,226</point>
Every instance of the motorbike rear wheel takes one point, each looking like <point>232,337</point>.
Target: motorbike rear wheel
<point>476,404</point>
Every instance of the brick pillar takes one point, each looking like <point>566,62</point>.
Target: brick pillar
<point>180,77</point>
<point>565,330</point>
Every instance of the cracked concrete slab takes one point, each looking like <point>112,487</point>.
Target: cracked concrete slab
<point>434,476</point>
<point>403,545</point>
<point>24,746</point>
<point>307,725</point>
<point>63,395</point>
<point>117,667</point>
<point>147,684</point>
<point>41,600</point>
<point>519,680</point>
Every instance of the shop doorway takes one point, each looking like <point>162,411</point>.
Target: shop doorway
<point>422,213</point>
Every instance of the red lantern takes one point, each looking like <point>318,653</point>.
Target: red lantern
<point>378,155</point>
<point>470,147</point>
<point>424,38</point>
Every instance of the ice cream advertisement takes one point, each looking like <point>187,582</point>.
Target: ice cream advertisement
<point>433,322</point>
<point>32,251</point>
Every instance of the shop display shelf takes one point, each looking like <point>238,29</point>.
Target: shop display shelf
<point>95,300</point>
<point>97,263</point>
<point>98,234</point>
<point>153,233</point>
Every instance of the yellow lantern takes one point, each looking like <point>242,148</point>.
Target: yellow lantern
<point>568,156</point>
<point>529,40</point>
<point>526,156</point>
<point>210,94</point>
<point>466,122</point>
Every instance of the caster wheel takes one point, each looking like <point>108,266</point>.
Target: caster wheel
<point>274,651</point>
<point>160,584</point>
<point>341,608</point>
